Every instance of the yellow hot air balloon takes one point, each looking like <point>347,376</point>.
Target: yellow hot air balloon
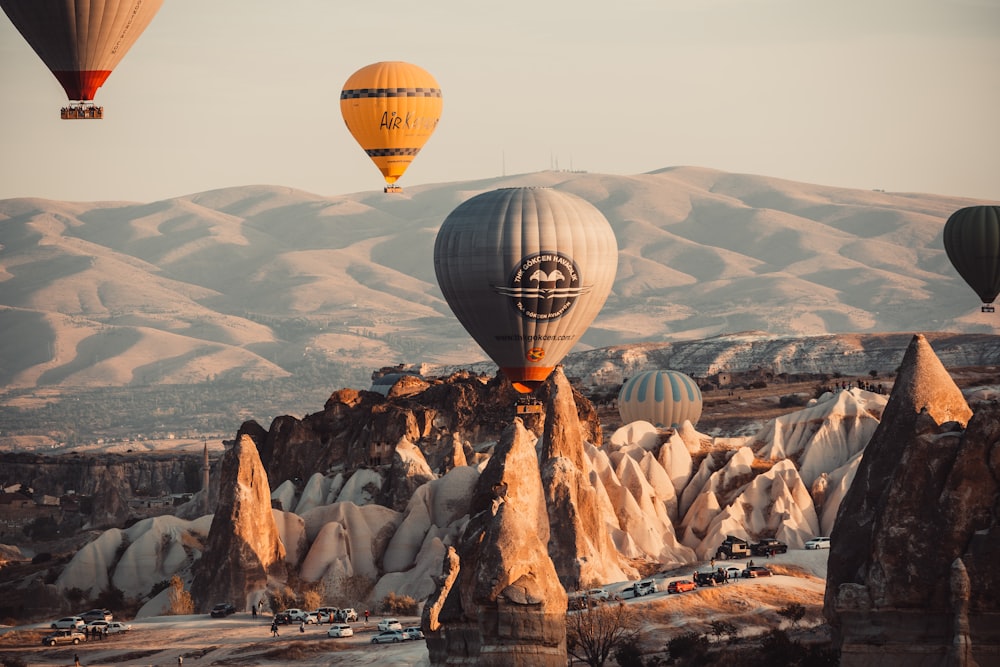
<point>526,270</point>
<point>391,108</point>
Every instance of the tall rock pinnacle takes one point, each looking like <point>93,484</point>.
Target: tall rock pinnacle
<point>243,545</point>
<point>925,494</point>
<point>579,543</point>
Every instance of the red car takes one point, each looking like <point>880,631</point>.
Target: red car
<point>680,586</point>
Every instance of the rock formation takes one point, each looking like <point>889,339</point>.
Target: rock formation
<point>578,540</point>
<point>926,492</point>
<point>243,547</point>
<point>505,605</point>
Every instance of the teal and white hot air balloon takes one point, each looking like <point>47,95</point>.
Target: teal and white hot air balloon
<point>662,398</point>
<point>526,270</point>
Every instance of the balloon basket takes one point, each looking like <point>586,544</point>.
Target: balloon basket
<point>528,406</point>
<point>392,189</point>
<point>81,112</point>
<point>988,309</point>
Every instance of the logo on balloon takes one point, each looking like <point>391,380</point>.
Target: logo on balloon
<point>535,354</point>
<point>544,286</point>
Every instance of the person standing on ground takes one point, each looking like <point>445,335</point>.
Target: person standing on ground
<point>366,617</point>
<point>253,612</point>
<point>76,660</point>
<point>274,628</point>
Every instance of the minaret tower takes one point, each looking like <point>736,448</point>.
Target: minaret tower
<point>204,478</point>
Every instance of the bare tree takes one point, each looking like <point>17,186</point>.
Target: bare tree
<point>592,634</point>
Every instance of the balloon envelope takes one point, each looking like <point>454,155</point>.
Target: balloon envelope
<point>391,109</point>
<point>526,270</point>
<point>81,41</point>
<point>662,398</point>
<point>972,241</point>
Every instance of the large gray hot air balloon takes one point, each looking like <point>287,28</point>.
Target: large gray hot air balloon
<point>662,398</point>
<point>526,270</point>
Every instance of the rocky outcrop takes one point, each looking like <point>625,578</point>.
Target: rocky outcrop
<point>578,540</point>
<point>505,606</point>
<point>359,429</point>
<point>243,547</point>
<point>926,493</point>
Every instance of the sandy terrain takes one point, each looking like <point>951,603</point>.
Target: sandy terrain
<point>751,604</point>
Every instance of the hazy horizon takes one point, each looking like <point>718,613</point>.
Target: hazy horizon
<point>893,95</point>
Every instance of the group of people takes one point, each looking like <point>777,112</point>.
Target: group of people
<point>95,632</point>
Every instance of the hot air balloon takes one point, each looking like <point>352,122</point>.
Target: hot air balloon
<point>662,398</point>
<point>391,108</point>
<point>81,41</point>
<point>972,241</point>
<point>525,270</point>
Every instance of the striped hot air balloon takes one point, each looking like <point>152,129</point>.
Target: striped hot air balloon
<point>662,398</point>
<point>391,109</point>
<point>81,41</point>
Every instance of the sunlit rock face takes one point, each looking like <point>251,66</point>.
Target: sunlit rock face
<point>243,547</point>
<point>505,604</point>
<point>578,541</point>
<point>922,507</point>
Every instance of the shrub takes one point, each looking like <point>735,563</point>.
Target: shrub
<point>402,605</point>
<point>181,603</point>
<point>794,612</point>
<point>628,654</point>
<point>687,645</point>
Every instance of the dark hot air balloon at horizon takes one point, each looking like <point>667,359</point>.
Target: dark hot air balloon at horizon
<point>391,110</point>
<point>972,241</point>
<point>81,41</point>
<point>526,270</point>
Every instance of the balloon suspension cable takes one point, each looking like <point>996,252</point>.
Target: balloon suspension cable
<point>81,111</point>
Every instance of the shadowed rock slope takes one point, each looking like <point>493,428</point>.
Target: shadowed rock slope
<point>922,508</point>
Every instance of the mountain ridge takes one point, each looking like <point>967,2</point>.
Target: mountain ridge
<point>247,281</point>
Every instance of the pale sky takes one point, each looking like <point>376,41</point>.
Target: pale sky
<point>895,94</point>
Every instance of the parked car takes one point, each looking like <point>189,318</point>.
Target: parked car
<point>639,588</point>
<point>413,633</point>
<point>68,623</point>
<point>222,610</point>
<point>348,615</point>
<point>327,614</point>
<point>388,636</point>
<point>768,547</point>
<point>97,615</point>
<point>311,618</point>
<point>67,636</point>
<point>117,627</point>
<point>298,615</point>
<point>754,571</point>
<point>818,543</point>
<point>390,624</point>
<point>98,625</point>
<point>708,578</point>
<point>340,630</point>
<point>282,618</point>
<point>680,586</point>
<point>598,594</point>
<point>734,572</point>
